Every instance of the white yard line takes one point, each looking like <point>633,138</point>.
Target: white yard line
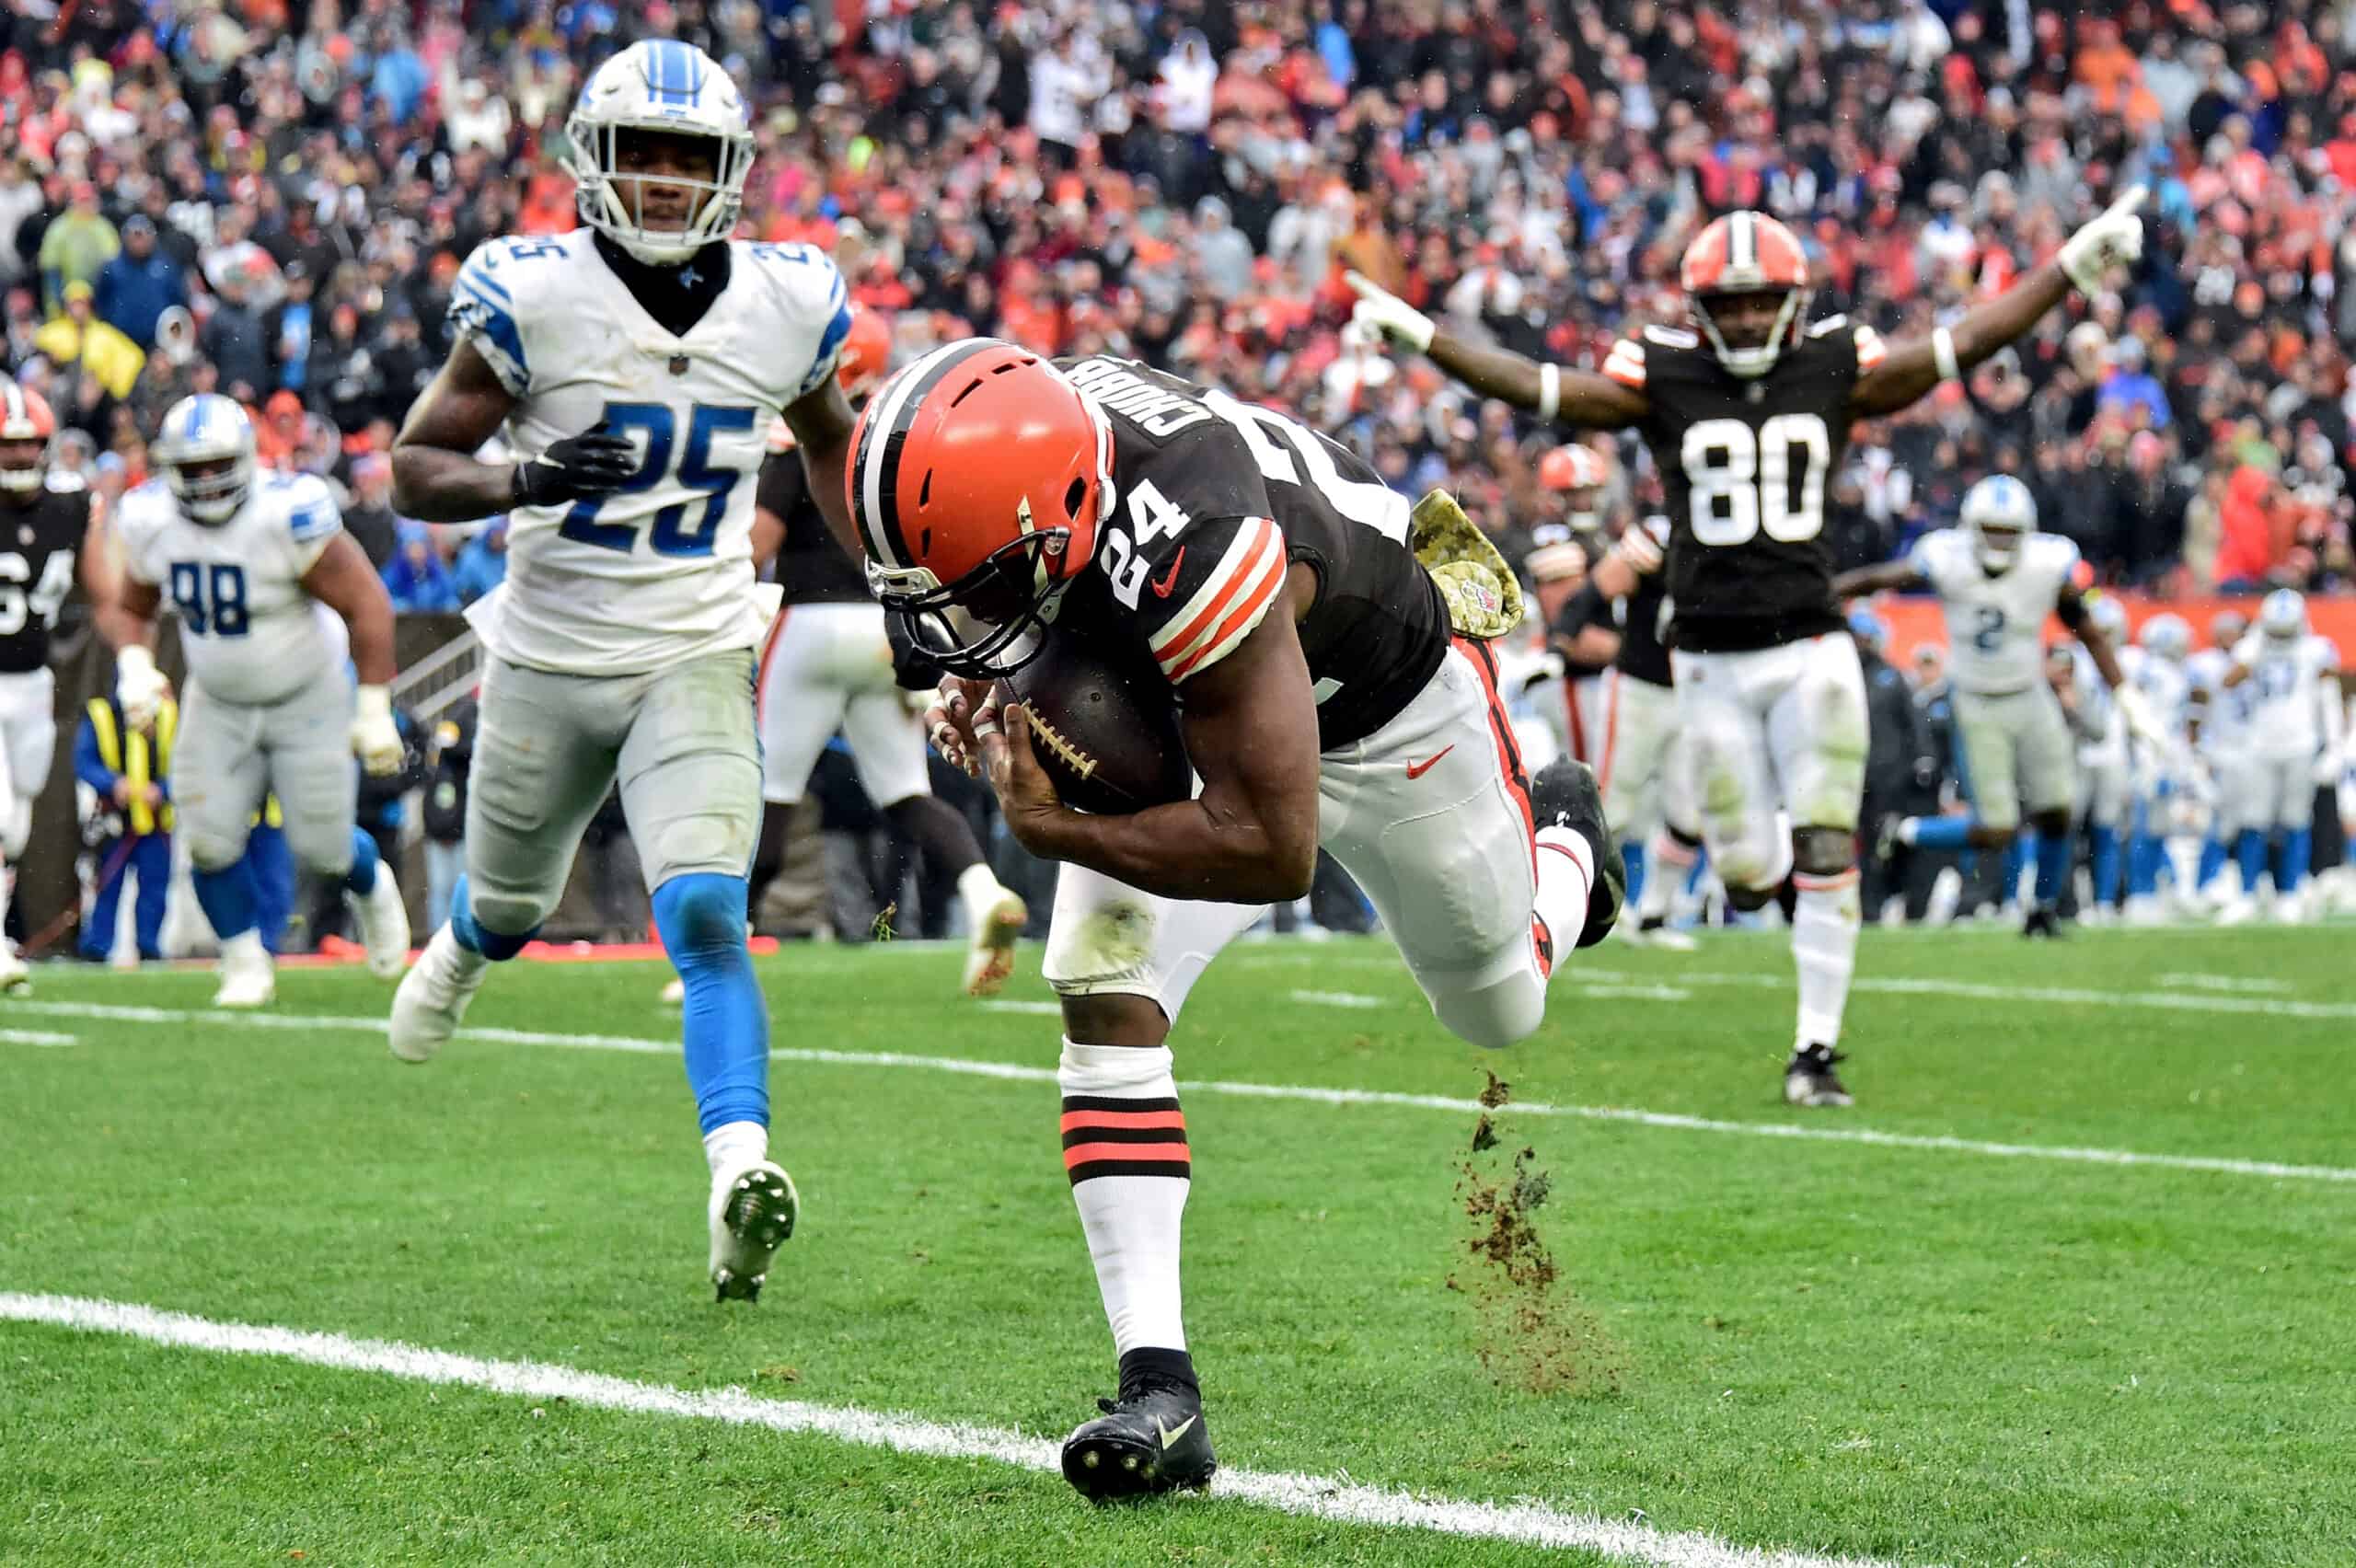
<point>1322,1498</point>
<point>37,1037</point>
<point>1815,1132</point>
<point>2227,983</point>
<point>1345,999</point>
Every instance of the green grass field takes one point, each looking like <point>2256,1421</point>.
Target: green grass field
<point>1908,1351</point>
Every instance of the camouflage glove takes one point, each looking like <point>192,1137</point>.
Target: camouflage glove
<point>1483,595</point>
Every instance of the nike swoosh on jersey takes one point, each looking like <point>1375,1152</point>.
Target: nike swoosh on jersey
<point>1170,1434</point>
<point>1418,769</point>
<point>1169,579</point>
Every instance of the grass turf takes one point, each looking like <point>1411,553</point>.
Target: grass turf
<point>1916,1354</point>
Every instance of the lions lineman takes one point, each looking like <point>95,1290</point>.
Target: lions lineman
<point>255,563</point>
<point>1997,579</point>
<point>2221,719</point>
<point>2294,737</point>
<point>636,364</point>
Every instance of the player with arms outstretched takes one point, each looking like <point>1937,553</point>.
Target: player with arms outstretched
<point>1997,579</point>
<point>635,363</point>
<point>1296,609</point>
<point>1746,413</point>
<point>271,594</point>
<point>51,524</point>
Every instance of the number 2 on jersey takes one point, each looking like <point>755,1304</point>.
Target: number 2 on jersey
<point>695,472</point>
<point>1742,482</point>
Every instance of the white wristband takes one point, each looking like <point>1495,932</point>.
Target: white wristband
<point>1550,390</point>
<point>134,660</point>
<point>1943,355</point>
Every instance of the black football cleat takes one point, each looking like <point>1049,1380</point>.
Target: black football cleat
<point>1149,1441</point>
<point>2043,922</point>
<point>1565,794</point>
<point>1809,1078</point>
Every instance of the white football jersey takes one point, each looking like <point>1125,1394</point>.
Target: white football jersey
<point>252,631</point>
<point>1995,625</point>
<point>2165,684</point>
<point>2098,719</point>
<point>2224,715</point>
<point>661,570</point>
<point>2287,676</point>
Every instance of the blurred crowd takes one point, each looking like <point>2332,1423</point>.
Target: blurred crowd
<point>270,199</point>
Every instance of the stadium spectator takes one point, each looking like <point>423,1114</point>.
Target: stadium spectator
<point>417,579</point>
<point>482,564</point>
<point>369,518</point>
<point>79,344</point>
<point>76,245</point>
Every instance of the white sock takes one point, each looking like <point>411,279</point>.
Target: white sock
<point>978,890</point>
<point>1668,860</point>
<point>244,948</point>
<point>1566,876</point>
<point>1824,949</point>
<point>732,1146</point>
<point>1907,828</point>
<point>1124,1149</point>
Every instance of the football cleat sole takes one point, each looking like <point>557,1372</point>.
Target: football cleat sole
<point>758,1217</point>
<point>991,962</point>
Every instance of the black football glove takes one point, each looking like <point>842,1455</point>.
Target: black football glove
<point>913,669</point>
<point>580,467</point>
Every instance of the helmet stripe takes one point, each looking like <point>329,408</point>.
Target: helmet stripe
<point>1742,244</point>
<point>877,461</point>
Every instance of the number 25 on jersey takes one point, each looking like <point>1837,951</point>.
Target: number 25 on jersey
<point>1743,482</point>
<point>695,473</point>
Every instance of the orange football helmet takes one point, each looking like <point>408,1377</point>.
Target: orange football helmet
<point>27,427</point>
<point>866,353</point>
<point>977,477</point>
<point>1747,254</point>
<point>1578,472</point>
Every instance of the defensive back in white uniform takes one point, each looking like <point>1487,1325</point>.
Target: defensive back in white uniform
<point>2294,744</point>
<point>636,365</point>
<point>272,600</point>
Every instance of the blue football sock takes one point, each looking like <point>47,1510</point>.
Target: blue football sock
<point>2142,865</point>
<point>361,879</point>
<point>726,1025</point>
<point>227,896</point>
<point>1942,833</point>
<point>2212,861</point>
<point>2105,864</point>
<point>1632,860</point>
<point>2015,863</point>
<point>2250,851</point>
<point>2290,860</point>
<point>494,945</point>
<point>2053,853</point>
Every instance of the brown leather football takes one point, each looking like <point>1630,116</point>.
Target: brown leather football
<point>1104,725</point>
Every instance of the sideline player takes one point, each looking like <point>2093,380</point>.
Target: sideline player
<point>2220,721</point>
<point>2164,768</point>
<point>51,523</point>
<point>1746,413</point>
<point>635,363</point>
<point>2296,717</point>
<point>1997,579</point>
<point>1329,697</point>
<point>830,664</point>
<point>270,592</point>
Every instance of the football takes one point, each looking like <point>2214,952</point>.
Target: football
<point>1104,726</point>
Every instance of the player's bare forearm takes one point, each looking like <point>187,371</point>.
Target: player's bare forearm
<point>1584,400</point>
<point>769,538</point>
<point>1890,576</point>
<point>342,580</point>
<point>822,423</point>
<point>1910,369</point>
<point>1251,837</point>
<point>126,617</point>
<point>436,477</point>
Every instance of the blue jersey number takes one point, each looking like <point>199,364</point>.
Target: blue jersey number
<point>2277,679</point>
<point>1989,638</point>
<point>211,597</point>
<point>695,472</point>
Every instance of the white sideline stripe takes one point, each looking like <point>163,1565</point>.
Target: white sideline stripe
<point>1531,1524</point>
<point>2225,982</point>
<point>1344,999</point>
<point>37,1037</point>
<point>1012,1072</point>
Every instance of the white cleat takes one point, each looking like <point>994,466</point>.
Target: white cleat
<point>16,980</point>
<point>384,926</point>
<point>676,993</point>
<point>752,1214</point>
<point>248,980</point>
<point>2290,909</point>
<point>2145,910</point>
<point>433,997</point>
<point>2237,911</point>
<point>991,959</point>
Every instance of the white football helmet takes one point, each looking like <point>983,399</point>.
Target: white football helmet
<point>660,86</point>
<point>2167,637</point>
<point>1999,515</point>
<point>2283,616</point>
<point>205,449</point>
<point>2109,617</point>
